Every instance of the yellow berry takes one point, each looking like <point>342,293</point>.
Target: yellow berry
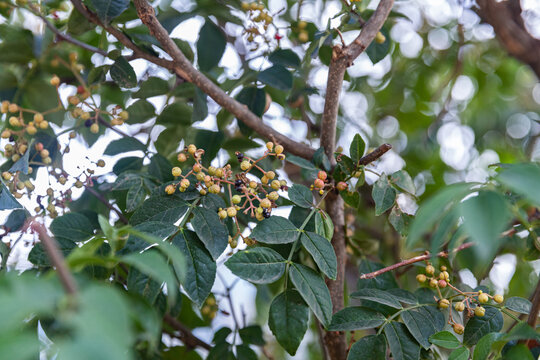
<point>38,118</point>
<point>303,36</point>
<point>6,134</point>
<point>430,270</point>
<point>236,199</point>
<point>253,6</point>
<point>444,303</point>
<point>214,189</point>
<point>94,128</point>
<point>44,153</point>
<point>22,148</point>
<point>273,196</point>
<point>55,81</point>
<point>498,299</point>
<point>219,173</point>
<point>302,25</point>
<point>270,175</point>
<point>421,278</point>
<point>14,121</point>
<point>259,216</point>
<point>4,107</point>
<point>433,283</point>
<point>73,100</point>
<point>318,183</point>
<point>197,168</point>
<point>182,157</point>
<point>458,329</point>
<point>62,180</point>
<point>6,175</point>
<point>192,149</point>
<point>479,311</point>
<point>245,165</point>
<point>170,189</point>
<point>13,108</point>
<point>265,203</point>
<point>31,130</point>
<point>202,192</point>
<point>460,306</point>
<point>269,145</point>
<point>275,184</point>
<point>44,124</point>
<point>278,149</point>
<point>222,214</point>
<point>245,6</point>
<point>86,115</point>
<point>211,170</point>
<point>72,135</point>
<point>231,212</point>
<point>101,163</point>
<point>483,298</point>
<point>184,183</point>
<point>380,38</point>
<point>264,179</point>
<point>342,186</point>
<point>124,115</point>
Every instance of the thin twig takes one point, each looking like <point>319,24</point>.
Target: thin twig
<point>535,308</point>
<point>56,257</point>
<point>102,199</point>
<point>186,335</point>
<point>375,154</point>
<point>413,260</point>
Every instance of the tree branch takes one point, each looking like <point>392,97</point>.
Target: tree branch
<point>186,335</point>
<point>505,18</point>
<point>413,260</point>
<point>56,257</point>
<point>375,154</point>
<point>535,308</point>
<point>185,69</point>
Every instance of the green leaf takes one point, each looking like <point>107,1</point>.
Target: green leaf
<point>257,265</point>
<point>140,111</point>
<point>244,352</point>
<point>154,265</point>
<point>324,225</point>
<point>39,257</point>
<point>156,229</point>
<point>460,354</point>
<point>357,148</point>
<point>321,160</point>
<point>153,86</point>
<point>301,162</point>
<point>518,304</point>
<point>485,217</point>
<point>210,230</point>
<point>479,326</point>
<point>313,290</point>
<point>17,44</point>
<point>177,113</point>
<point>277,77</point>
<point>109,9</point>
<point>7,201</point>
<point>135,196</point>
<point>121,71</point>
<point>254,98</point>
<point>252,334</point>
<point>402,344</point>
<point>161,168</point>
<point>284,57</point>
<point>301,196</point>
<point>403,296</point>
<point>403,180</point>
<point>123,145</point>
<point>378,296</point>
<point>275,230</point>
<point>200,106</point>
<point>383,194</point>
<point>288,319</point>
<point>483,347</point>
<point>375,51</point>
<point>423,322</point>
<point>383,282</point>
<point>432,210</point>
<point>399,221</point>
<point>73,227</point>
<point>445,339</point>
<point>185,48</point>
<point>372,347</point>
<point>78,24</point>
<point>356,318</point>
<point>210,46</point>
<point>522,179</point>
<point>143,285</point>
<point>521,352</point>
<point>201,268</point>
<point>21,164</point>
<point>322,252</point>
<point>211,142</point>
<point>158,208</point>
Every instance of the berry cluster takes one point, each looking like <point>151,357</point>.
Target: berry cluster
<point>465,300</point>
<point>257,196</point>
<point>259,21</point>
<point>303,35</point>
<point>321,183</point>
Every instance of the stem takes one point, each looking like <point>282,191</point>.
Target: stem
<point>188,212</point>
<point>387,321</point>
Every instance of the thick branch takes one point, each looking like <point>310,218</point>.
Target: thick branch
<point>56,257</point>
<point>535,308</point>
<point>413,260</point>
<point>186,335</point>
<point>185,69</point>
<point>375,154</point>
<point>505,18</point>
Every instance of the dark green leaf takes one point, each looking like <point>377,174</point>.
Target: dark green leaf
<point>460,354</point>
<point>210,230</point>
<point>157,208</point>
<point>483,347</point>
<point>201,268</point>
<point>140,283</point>
<point>313,290</point>
<point>109,9</point>
<point>445,339</point>
<point>21,164</point>
<point>403,180</point>
<point>156,229</point>
<point>211,142</point>
<point>423,322</point>
<point>301,196</point>
<point>7,201</point>
<point>288,319</point>
<point>72,226</point>
<point>252,335</point>
<point>357,148</point>
<point>161,168</point>
<point>178,113</point>
<point>400,221</point>
<point>123,145</point>
<point>277,77</point>
<point>384,281</point>
<point>378,296</point>
<point>284,57</point>
<point>121,71</point>
<point>200,106</point>
<point>356,318</point>
<point>275,230</point>
<point>372,347</point>
<point>523,179</point>
<point>402,344</point>
<point>479,326</point>
<point>383,194</point>
<point>322,252</point>
<point>153,86</point>
<point>375,51</point>
<point>210,46</point>
<point>39,257</point>
<point>324,225</point>
<point>244,352</point>
<point>258,265</point>
<point>403,296</point>
<point>254,98</point>
<point>140,111</point>
<point>321,160</point>
<point>135,196</point>
<point>518,304</point>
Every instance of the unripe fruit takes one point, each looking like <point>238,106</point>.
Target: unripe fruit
<point>78,184</point>
<point>20,185</point>
<point>124,115</point>
<point>101,163</point>
<point>342,186</point>
<point>236,199</point>
<point>219,173</point>
<point>50,191</point>
<point>14,121</point>
<point>259,216</point>
<point>29,185</point>
<point>184,183</point>
<point>458,329</point>
<point>222,214</point>
<point>170,189</point>
<point>212,170</point>
<point>443,268</point>
<point>231,212</point>
<point>442,283</point>
<point>265,203</point>
<point>202,192</point>
<point>269,145</point>
<point>302,25</point>
<point>357,174</point>
<point>252,184</point>
<point>282,182</point>
<point>16,157</point>
<point>31,130</point>
<point>264,179</point>
<point>460,306</point>
<point>197,168</point>
<point>72,135</point>
<point>275,184</point>
<point>433,283</point>
<point>245,6</point>
<point>319,184</point>
<point>483,298</point>
<point>479,311</point>
<point>47,160</point>
<point>273,196</point>
<point>94,128</point>
<point>303,36</point>
<point>278,149</point>
<point>6,175</point>
<point>73,100</point>
<point>270,175</point>
<point>245,165</point>
<point>55,81</point>
<point>380,38</point>
<point>44,124</point>
<point>322,175</point>
<point>498,299</point>
<point>191,149</point>
<point>4,107</point>
<point>5,134</point>
<point>62,180</point>
<point>421,278</point>
<point>430,270</point>
<point>44,153</point>
<point>22,149</point>
<point>181,157</point>
<point>13,108</point>
<point>38,118</point>
<point>200,176</point>
<point>214,189</point>
<point>444,303</point>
